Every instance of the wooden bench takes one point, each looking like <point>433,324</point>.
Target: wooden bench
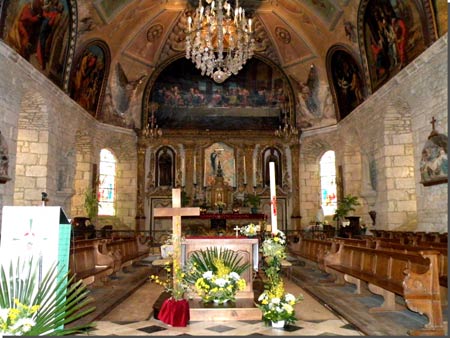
<point>412,275</point>
<point>126,250</point>
<point>87,263</point>
<point>313,249</point>
<point>442,261</point>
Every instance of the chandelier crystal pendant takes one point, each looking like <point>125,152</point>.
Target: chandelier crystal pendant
<point>219,40</point>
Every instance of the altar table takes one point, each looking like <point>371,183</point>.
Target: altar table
<point>247,248</point>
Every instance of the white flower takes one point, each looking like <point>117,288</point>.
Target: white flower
<point>288,308</point>
<point>235,275</point>
<point>25,324</point>
<point>276,300</point>
<point>207,274</point>
<point>4,314</point>
<point>262,296</point>
<point>289,297</point>
<point>221,282</point>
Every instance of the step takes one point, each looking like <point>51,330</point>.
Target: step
<point>242,309</point>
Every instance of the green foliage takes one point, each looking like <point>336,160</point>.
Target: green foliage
<point>59,299</point>
<point>346,205</point>
<point>185,199</point>
<point>91,204</point>
<point>205,260</point>
<point>252,199</point>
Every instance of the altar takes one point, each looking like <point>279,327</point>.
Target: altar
<point>244,307</point>
<point>247,248</point>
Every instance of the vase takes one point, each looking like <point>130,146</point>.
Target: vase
<point>220,301</point>
<point>278,324</point>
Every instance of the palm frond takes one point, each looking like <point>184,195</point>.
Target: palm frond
<point>61,300</point>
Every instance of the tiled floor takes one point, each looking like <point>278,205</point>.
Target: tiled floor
<point>134,317</point>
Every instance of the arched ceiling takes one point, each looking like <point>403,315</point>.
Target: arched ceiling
<point>143,34</point>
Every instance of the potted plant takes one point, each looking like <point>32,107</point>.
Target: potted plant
<point>254,200</point>
<point>91,204</point>
<point>345,205</point>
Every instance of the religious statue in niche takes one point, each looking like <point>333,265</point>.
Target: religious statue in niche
<point>165,166</point>
<point>434,161</point>
<point>272,155</point>
<point>4,160</point>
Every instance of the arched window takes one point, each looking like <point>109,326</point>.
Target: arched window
<point>107,185</point>
<point>165,169</point>
<point>272,155</point>
<point>328,183</point>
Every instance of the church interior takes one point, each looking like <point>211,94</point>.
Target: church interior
<point>324,119</point>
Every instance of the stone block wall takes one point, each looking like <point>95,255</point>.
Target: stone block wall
<point>53,142</point>
<point>388,131</point>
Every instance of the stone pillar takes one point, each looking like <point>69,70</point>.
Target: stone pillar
<point>140,198</point>
<point>295,223</point>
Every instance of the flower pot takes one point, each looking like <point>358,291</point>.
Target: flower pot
<point>174,312</point>
<point>278,324</point>
<point>220,301</point>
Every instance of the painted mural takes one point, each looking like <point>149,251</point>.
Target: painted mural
<point>347,82</point>
<point>89,75</point>
<point>252,99</point>
<point>393,36</point>
<point>219,154</point>
<point>39,31</point>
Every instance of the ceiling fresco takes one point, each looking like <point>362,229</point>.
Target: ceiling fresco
<point>143,37</point>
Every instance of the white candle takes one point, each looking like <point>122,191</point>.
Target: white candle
<point>273,197</point>
<point>245,172</point>
<point>254,172</point>
<point>195,170</point>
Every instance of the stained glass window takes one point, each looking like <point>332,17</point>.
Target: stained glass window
<point>328,183</point>
<point>106,191</point>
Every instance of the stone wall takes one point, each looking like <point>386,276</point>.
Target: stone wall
<point>53,142</point>
<point>387,132</point>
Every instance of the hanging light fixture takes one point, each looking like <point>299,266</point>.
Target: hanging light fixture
<point>152,130</point>
<point>286,130</point>
<point>219,39</point>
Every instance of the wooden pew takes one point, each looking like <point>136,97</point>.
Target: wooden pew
<point>313,249</point>
<point>126,250</point>
<point>87,263</point>
<point>412,275</point>
<point>442,260</point>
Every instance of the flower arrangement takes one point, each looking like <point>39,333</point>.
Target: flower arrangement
<point>220,287</point>
<point>277,305</point>
<point>250,230</point>
<point>16,321</point>
<point>176,290</point>
<point>33,308</point>
<point>215,274</point>
<point>274,247</point>
<point>220,204</point>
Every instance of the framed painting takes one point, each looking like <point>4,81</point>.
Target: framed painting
<point>434,160</point>
<point>40,32</point>
<point>219,154</point>
<point>391,35</point>
<point>252,99</point>
<point>89,75</point>
<point>345,74</point>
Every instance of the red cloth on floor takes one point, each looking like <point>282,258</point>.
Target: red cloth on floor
<point>174,312</point>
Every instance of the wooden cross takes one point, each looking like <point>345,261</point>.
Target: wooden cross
<point>176,212</point>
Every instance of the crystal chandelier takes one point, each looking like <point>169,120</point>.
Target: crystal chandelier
<point>219,39</point>
<point>286,130</point>
<point>151,129</point>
